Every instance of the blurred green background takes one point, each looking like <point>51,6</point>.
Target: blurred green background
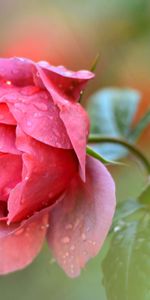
<point>72,32</point>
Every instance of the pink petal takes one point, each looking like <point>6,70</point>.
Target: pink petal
<point>5,115</point>
<point>75,120</point>
<point>37,115</point>
<point>11,171</point>
<point>46,173</point>
<point>7,139</point>
<point>77,125</point>
<point>18,247</point>
<point>19,71</point>
<point>80,222</point>
<point>67,83</point>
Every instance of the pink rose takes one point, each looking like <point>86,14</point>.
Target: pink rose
<point>48,187</point>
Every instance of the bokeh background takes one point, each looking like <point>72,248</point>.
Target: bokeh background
<point>72,33</point>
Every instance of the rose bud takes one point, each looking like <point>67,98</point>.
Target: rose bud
<point>48,187</point>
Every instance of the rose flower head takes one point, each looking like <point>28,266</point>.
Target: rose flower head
<point>49,188</point>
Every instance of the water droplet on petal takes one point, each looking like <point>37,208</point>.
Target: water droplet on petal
<point>68,226</point>
<point>20,231</point>
<point>72,248</point>
<point>65,240</point>
<point>50,195</point>
<point>42,227</point>
<point>77,222</point>
<point>8,82</point>
<point>83,236</point>
<point>71,87</point>
<point>94,243</point>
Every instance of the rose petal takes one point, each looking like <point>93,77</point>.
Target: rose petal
<point>77,125</point>
<point>41,183</point>
<point>5,116</point>
<point>7,139</point>
<point>11,171</point>
<point>27,104</point>
<point>67,83</point>
<point>19,71</point>
<point>37,115</point>
<point>21,246</point>
<point>75,120</point>
<point>80,222</point>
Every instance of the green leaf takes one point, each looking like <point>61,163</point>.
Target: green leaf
<point>126,268</point>
<point>137,131</point>
<point>125,209</point>
<point>111,112</point>
<point>145,196</point>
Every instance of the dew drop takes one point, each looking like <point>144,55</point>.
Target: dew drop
<point>52,261</point>
<point>37,74</point>
<point>83,236</point>
<point>65,240</point>
<point>68,226</point>
<point>8,82</point>
<point>77,222</point>
<point>50,195</point>
<point>72,248</point>
<point>20,231</point>
<point>72,269</point>
<point>116,228</point>
<point>71,87</point>
<point>94,243</point>
<point>42,227</point>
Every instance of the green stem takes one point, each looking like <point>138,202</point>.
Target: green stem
<point>119,141</point>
